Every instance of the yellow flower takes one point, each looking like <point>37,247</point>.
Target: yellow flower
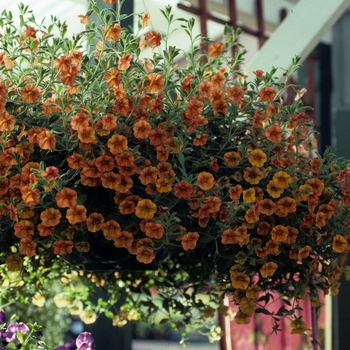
<point>88,317</point>
<point>257,158</point>
<point>240,280</point>
<point>248,307</point>
<point>268,269</point>
<point>298,327</point>
<point>249,195</point>
<point>61,302</point>
<point>281,179</point>
<point>242,318</point>
<point>38,300</point>
<point>340,244</point>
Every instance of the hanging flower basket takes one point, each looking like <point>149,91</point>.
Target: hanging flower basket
<point>111,151</point>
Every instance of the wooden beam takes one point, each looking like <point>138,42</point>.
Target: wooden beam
<point>298,34</point>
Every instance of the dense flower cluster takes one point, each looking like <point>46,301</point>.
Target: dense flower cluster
<point>104,143</point>
<point>28,337</point>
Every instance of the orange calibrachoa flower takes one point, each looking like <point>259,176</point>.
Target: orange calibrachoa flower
<point>30,93</point>
<point>123,239</point>
<point>205,180</point>
<point>14,263</point>
<point>189,240</point>
<point>183,190</point>
<point>154,83</point>
<point>50,217</point>
<point>94,222</point>
<point>27,246</point>
<point>268,269</point>
<point>340,244</point>
<point>274,133</point>
<point>145,209</point>
<point>240,280</point>
<point>117,144</point>
<point>267,94</point>
<point>76,214</point>
<point>252,175</point>
<point>66,197</point>
<point>62,247</point>
<point>257,158</point>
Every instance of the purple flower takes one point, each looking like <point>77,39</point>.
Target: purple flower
<point>3,318</point>
<point>85,341</point>
<point>11,331</point>
<point>68,346</point>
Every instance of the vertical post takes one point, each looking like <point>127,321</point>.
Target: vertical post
<point>260,20</point>
<point>203,17</point>
<point>340,128</point>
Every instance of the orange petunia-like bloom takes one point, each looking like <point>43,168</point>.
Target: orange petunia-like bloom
<point>189,240</point>
<point>62,247</point>
<point>24,229</point>
<point>7,122</point>
<point>148,175</point>
<point>145,254</point>
<point>230,236</point>
<point>232,158</point>
<point>268,269</point>
<point>113,32</point>
<point>94,222</point>
<point>76,213</point>
<point>124,62</point>
<point>154,83</point>
<point>215,49</point>
<point>286,206</point>
<point>240,280</point>
<point>75,161</point>
<point>30,196</point>
<point>164,184</point>
<point>80,121</point>
<point>110,229</point>
<point>273,190</point>
<point>205,180</point>
<point>281,179</point>
<point>257,158</point>
<point>123,239</point>
<point>104,163</point>
<point>153,39</point>
<point>267,94</point>
<point>27,246</point>
<point>267,207</point>
<point>112,77</point>
<point>157,137</point>
<point>274,133</point>
<point>249,195</point>
<point>87,135</point>
<point>30,93</point>
<point>46,140</point>
<point>45,231</point>
<point>154,230</point>
<point>50,217</point>
<point>252,175</point>
<point>14,263</point>
<point>279,233</point>
<point>145,18</point>
<point>235,192</point>
<point>142,129</point>
<point>145,209</point>
<point>340,244</point>
<point>66,197</point>
<point>183,190</point>
<point>235,94</point>
<point>117,144</point>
